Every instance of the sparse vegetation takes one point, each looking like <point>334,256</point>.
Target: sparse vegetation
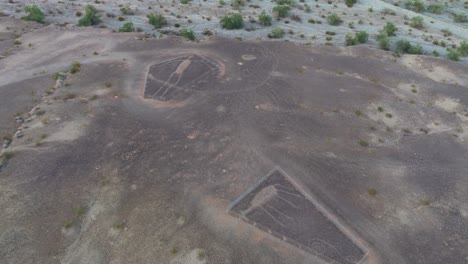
<point>404,46</point>
<point>276,33</point>
<point>383,40</point>
<point>264,19</point>
<point>372,191</point>
<point>436,8</point>
<point>187,33</point>
<point>350,3</point>
<point>334,20</point>
<point>460,18</point>
<point>156,20</point>
<point>127,27</point>
<point>417,22</point>
<point>7,155</point>
<point>390,29</point>
<point>232,21</point>
<point>363,143</point>
<point>453,55</point>
<point>281,11</point>
<point>90,18</point>
<point>76,67</point>
<point>426,201</point>
<point>34,14</point>
<point>359,37</point>
<point>67,224</point>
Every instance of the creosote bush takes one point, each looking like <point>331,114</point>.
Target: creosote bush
<point>264,19</point>
<point>390,29</point>
<point>90,18</point>
<point>383,40</point>
<point>281,11</point>
<point>156,20</point>
<point>359,37</point>
<point>232,21</point>
<point>276,33</point>
<point>187,33</point>
<point>127,27</point>
<point>34,14</point>
<point>334,20</point>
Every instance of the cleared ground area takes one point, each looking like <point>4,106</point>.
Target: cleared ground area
<point>136,150</point>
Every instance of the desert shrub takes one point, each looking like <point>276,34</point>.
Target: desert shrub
<point>436,8</point>
<point>362,36</point>
<point>453,55</point>
<point>417,22</point>
<point>460,18</point>
<point>76,66</point>
<point>184,2</point>
<point>416,6</point>
<point>390,28</point>
<point>383,40</point>
<point>334,20</point>
<point>276,33</point>
<point>264,19</point>
<point>127,27</point>
<point>207,32</point>
<point>281,11</point>
<point>463,49</point>
<point>359,37</point>
<point>156,20</point>
<point>404,46</point>
<point>126,11</point>
<point>34,14</point>
<point>350,3</point>
<point>286,2</point>
<point>187,33</point>
<point>232,21</point>
<point>90,18</point>
<point>296,17</point>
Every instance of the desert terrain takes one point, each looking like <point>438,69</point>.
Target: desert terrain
<point>147,147</point>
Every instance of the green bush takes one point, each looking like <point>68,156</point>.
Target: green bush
<point>334,20</point>
<point>156,20</point>
<point>463,49</point>
<point>264,19</point>
<point>453,55</point>
<point>281,11</point>
<point>350,3</point>
<point>232,21</point>
<point>126,11</point>
<point>76,67</point>
<point>362,36</point>
<point>187,33</point>
<point>404,46</point>
<point>390,28</point>
<point>276,33</point>
<point>184,2</point>
<point>417,22</point>
<point>359,37</point>
<point>383,40</point>
<point>286,2</point>
<point>416,6</point>
<point>34,14</point>
<point>436,8</point>
<point>90,18</point>
<point>460,18</point>
<point>127,27</point>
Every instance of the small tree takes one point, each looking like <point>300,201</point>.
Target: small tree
<point>383,40</point>
<point>187,33</point>
<point>127,27</point>
<point>156,20</point>
<point>390,28</point>
<point>276,33</point>
<point>90,18</point>
<point>417,22</point>
<point>34,14</point>
<point>264,19</point>
<point>232,21</point>
<point>334,20</point>
<point>281,11</point>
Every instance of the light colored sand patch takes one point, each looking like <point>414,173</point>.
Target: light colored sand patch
<point>447,104</point>
<point>436,73</point>
<point>248,57</point>
<point>437,127</point>
<point>195,256</point>
<point>69,131</point>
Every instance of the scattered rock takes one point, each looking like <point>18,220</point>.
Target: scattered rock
<point>6,144</point>
<point>19,134</point>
